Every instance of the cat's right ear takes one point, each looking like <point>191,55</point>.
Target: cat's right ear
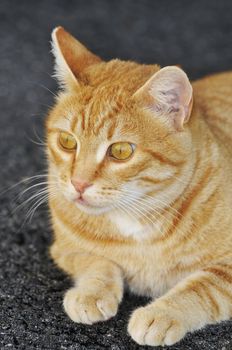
<point>71,58</point>
<point>168,94</point>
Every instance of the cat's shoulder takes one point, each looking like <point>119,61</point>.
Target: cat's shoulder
<point>213,98</point>
<point>219,83</point>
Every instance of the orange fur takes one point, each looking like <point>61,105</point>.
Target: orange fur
<point>161,220</point>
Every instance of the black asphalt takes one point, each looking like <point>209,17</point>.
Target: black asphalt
<point>195,34</point>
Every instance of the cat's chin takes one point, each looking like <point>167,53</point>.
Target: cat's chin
<point>90,209</point>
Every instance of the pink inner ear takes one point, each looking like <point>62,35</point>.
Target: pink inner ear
<point>172,99</point>
<point>172,95</point>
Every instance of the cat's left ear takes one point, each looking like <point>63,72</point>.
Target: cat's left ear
<point>168,93</point>
<point>71,58</point>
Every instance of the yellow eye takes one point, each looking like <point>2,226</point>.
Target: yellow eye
<point>67,141</point>
<point>121,150</point>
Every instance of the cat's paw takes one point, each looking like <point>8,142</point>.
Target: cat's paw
<point>89,309</point>
<point>152,325</point>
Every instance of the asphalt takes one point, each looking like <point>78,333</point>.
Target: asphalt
<point>195,34</point>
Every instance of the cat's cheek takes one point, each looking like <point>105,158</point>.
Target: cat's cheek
<point>68,192</point>
<point>70,197</point>
<point>95,198</point>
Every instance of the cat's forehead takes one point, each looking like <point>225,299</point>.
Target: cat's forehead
<point>94,111</point>
<point>103,98</point>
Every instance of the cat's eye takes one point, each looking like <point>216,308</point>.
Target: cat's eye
<point>121,150</point>
<point>67,141</point>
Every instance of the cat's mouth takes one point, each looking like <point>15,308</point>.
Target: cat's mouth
<point>88,207</point>
<point>83,201</point>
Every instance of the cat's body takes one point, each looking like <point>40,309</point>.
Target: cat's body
<point>172,236</point>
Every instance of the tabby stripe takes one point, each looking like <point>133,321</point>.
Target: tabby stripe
<point>81,229</point>
<point>225,276</point>
<point>193,229</point>
<point>56,157</point>
<point>186,204</point>
<point>83,120</point>
<point>139,167</point>
<point>89,115</point>
<point>226,266</point>
<point>153,180</point>
<point>196,190</point>
<point>115,110</point>
<point>111,130</point>
<point>196,291</point>
<point>76,120</point>
<point>174,205</point>
<point>211,299</point>
<point>97,172</point>
<point>221,290</point>
<point>102,122</point>
<point>204,296</point>
<point>51,130</point>
<point>162,159</point>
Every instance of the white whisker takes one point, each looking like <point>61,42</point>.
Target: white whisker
<point>25,180</point>
<point>36,185</point>
<point>124,209</point>
<point>137,210</point>
<point>148,208</point>
<point>32,210</point>
<point>38,194</point>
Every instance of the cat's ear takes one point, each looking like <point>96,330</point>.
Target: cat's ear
<point>168,93</point>
<point>71,58</point>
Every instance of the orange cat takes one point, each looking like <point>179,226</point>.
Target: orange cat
<point>141,191</point>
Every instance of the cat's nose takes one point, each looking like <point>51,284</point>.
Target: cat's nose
<point>80,185</point>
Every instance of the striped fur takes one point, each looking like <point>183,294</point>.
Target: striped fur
<point>170,237</point>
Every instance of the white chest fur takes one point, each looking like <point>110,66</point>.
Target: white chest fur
<point>129,226</point>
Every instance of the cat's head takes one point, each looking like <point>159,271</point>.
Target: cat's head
<point>117,132</point>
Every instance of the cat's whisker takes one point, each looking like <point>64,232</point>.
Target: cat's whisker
<point>38,137</point>
<point>38,203</point>
<point>173,212</point>
<point>134,193</point>
<point>171,177</point>
<point>136,209</point>
<point>37,143</point>
<point>148,209</point>
<point>41,200</point>
<point>151,201</point>
<point>28,179</point>
<point>146,217</point>
<point>154,200</point>
<point>47,89</point>
<point>36,185</point>
<point>146,204</point>
<point>123,209</point>
<point>170,222</point>
<point>38,194</point>
<point>35,206</point>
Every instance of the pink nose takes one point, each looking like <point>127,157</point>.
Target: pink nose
<point>80,185</point>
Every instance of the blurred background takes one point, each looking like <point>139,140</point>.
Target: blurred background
<point>194,34</point>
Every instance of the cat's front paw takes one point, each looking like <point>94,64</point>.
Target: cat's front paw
<point>154,326</point>
<point>89,309</point>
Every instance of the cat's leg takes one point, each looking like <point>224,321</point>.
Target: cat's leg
<point>202,298</point>
<point>98,288</point>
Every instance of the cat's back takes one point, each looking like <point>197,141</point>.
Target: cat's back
<point>213,96</point>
